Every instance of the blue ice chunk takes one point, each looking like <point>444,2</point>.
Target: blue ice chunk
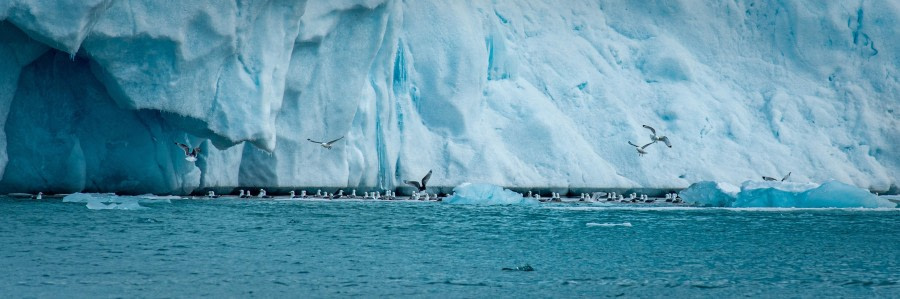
<point>710,194</point>
<point>109,201</point>
<point>487,194</point>
<point>831,194</point>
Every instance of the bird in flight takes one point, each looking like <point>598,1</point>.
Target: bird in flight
<point>655,138</point>
<point>420,186</point>
<point>640,149</point>
<point>325,144</point>
<point>189,154</point>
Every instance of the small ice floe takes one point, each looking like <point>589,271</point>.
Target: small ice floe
<point>96,201</point>
<point>110,201</point>
<point>607,224</point>
<point>486,194</point>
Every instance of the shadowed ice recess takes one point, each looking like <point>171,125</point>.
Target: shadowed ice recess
<point>521,94</point>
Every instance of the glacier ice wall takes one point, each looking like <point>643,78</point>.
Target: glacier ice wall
<point>513,93</point>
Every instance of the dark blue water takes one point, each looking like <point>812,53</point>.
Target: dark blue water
<point>253,248</point>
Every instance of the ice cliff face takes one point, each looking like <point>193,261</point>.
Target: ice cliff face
<point>513,93</point>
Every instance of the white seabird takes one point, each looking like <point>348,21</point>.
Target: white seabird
<point>326,145</point>
<point>655,138</point>
<point>640,149</point>
<point>420,186</point>
<point>189,154</point>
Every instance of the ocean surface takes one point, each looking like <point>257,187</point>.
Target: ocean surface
<point>315,249</point>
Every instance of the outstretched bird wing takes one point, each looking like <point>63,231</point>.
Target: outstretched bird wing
<point>652,131</point>
<point>787,176</point>
<point>666,141</point>
<point>313,141</point>
<point>196,151</point>
<point>766,178</point>
<point>414,184</point>
<point>426,178</point>
<point>632,144</point>
<point>185,148</point>
<point>333,141</point>
<point>648,144</point>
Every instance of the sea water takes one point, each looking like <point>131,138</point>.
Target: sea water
<point>267,248</point>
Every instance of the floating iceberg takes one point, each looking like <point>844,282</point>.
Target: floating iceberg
<point>831,194</point>
<point>487,194</point>
<point>109,201</point>
<point>711,194</point>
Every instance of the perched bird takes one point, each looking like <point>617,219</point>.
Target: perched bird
<point>212,194</point>
<point>40,195</point>
<point>244,195</point>
<point>655,138</point>
<point>640,149</point>
<point>293,195</point>
<point>420,186</point>
<point>326,145</point>
<point>262,194</point>
<point>189,154</point>
<point>771,179</point>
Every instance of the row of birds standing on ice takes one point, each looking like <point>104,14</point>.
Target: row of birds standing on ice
<point>375,195</point>
<point>671,197</point>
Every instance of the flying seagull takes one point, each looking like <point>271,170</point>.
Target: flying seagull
<point>325,144</point>
<point>771,179</point>
<point>655,138</point>
<point>189,154</point>
<point>421,186</point>
<point>640,149</point>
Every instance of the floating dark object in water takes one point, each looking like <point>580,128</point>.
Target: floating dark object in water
<point>522,268</point>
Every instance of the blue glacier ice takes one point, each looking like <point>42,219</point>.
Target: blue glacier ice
<point>755,194</point>
<point>487,194</point>
<point>710,194</point>
<point>537,94</point>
